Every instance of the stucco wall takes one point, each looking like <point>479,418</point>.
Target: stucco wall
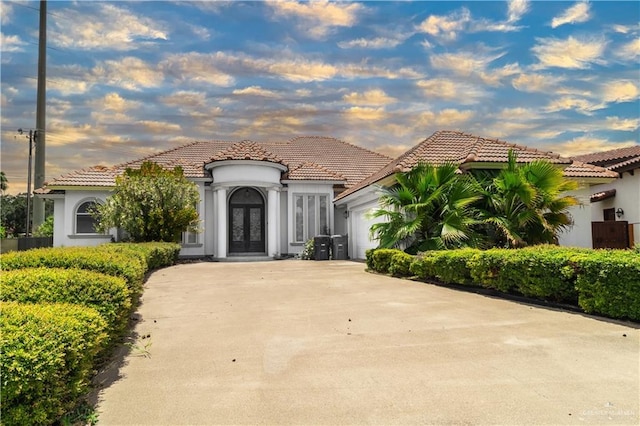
<point>580,234</point>
<point>64,220</point>
<point>627,198</point>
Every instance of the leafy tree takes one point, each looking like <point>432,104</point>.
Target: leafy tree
<point>430,207</point>
<point>13,213</point>
<point>524,204</point>
<point>151,204</point>
<point>4,183</point>
<point>45,229</point>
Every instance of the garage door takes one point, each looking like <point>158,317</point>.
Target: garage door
<point>360,228</point>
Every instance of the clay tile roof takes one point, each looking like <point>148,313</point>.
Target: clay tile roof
<point>464,148</point>
<point>336,158</point>
<point>603,195</point>
<point>583,170</point>
<point>312,171</point>
<point>246,150</point>
<point>612,159</point>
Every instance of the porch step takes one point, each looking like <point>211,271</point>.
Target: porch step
<point>254,258</point>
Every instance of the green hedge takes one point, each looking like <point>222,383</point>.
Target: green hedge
<point>99,259</point>
<point>48,353</point>
<point>608,282</point>
<point>156,255</point>
<point>108,295</point>
<point>605,282</point>
<point>380,260</point>
<point>400,264</point>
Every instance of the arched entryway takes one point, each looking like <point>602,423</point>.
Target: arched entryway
<point>246,222</point>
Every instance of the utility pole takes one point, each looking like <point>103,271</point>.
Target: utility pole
<point>32,135</point>
<point>38,203</point>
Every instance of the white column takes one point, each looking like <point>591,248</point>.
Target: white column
<point>272,219</point>
<point>222,222</point>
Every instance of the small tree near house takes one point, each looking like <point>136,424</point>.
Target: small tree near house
<point>151,204</point>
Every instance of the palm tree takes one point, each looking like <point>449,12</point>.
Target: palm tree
<point>430,207</point>
<point>524,204</point>
<point>4,183</point>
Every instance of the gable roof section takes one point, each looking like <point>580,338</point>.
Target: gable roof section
<point>339,160</point>
<point>312,171</point>
<point>246,150</point>
<point>619,160</point>
<point>470,151</point>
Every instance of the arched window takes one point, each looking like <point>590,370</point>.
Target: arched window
<point>85,222</point>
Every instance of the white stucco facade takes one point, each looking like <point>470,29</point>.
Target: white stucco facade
<point>276,205</point>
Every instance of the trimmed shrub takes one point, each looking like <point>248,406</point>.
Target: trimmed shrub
<point>382,259</point>
<point>542,272</point>
<point>451,267</point>
<point>608,283</point>
<point>486,266</point>
<point>423,266</point>
<point>108,295</point>
<point>48,352</point>
<point>156,255</point>
<point>368,254</point>
<point>400,263</point>
<point>98,259</point>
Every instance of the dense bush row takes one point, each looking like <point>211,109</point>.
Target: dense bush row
<point>605,282</point>
<point>61,308</point>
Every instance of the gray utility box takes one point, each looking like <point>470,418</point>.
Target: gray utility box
<point>321,245</point>
<point>339,246</point>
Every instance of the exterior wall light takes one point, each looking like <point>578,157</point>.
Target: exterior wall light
<point>619,212</point>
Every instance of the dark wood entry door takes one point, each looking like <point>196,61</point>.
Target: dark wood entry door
<point>246,224</point>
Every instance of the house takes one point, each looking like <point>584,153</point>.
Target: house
<point>470,152</point>
<point>255,198</point>
<point>269,198</point>
<point>613,208</point>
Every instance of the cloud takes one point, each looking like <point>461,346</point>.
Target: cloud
<point>110,28</point>
<point>198,68</point>
<point>516,9</point>
<point>114,102</point>
<point>370,97</point>
<point>625,29</point>
<point>7,12</point>
<point>447,89</point>
<point>129,73</point>
<point>255,91</point>
<point>463,63</point>
<point>69,86</point>
<point>112,109</point>
<point>580,105</point>
<point>159,127</point>
<point>570,53</point>
<point>372,43</point>
<point>184,98</point>
<point>623,124</point>
<point>318,18</point>
<point>629,51</point>
<point>11,43</point>
<point>577,13</point>
<point>535,83</point>
<point>620,91</point>
<point>393,151</point>
<point>449,118</point>
<point>586,144</point>
<point>365,113</point>
<point>446,26</point>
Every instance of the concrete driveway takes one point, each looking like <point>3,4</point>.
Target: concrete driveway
<point>325,343</point>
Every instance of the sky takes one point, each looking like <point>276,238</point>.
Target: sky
<point>128,79</point>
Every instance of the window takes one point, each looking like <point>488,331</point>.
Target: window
<point>311,216</point>
<point>189,237</point>
<point>85,222</point>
